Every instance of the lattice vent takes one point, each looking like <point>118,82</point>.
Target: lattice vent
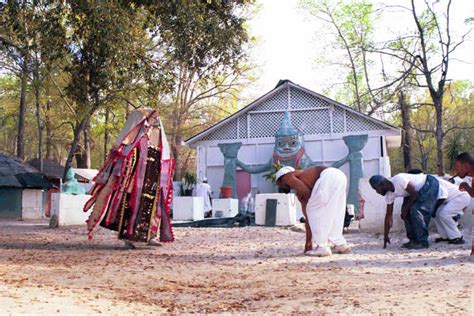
<point>243,126</point>
<point>265,124</point>
<point>303,100</point>
<point>228,131</point>
<point>355,123</point>
<point>338,120</point>
<point>312,122</point>
<point>277,102</point>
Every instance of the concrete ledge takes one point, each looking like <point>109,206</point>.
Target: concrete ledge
<point>286,208</point>
<point>68,208</point>
<point>225,207</point>
<point>188,208</point>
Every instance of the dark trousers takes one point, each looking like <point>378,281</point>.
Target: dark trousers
<point>417,223</point>
<point>421,212</point>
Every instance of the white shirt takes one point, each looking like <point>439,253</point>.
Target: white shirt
<point>204,190</point>
<point>448,191</point>
<point>400,183</point>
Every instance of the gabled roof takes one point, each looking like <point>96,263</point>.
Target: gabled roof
<point>14,173</point>
<point>278,90</point>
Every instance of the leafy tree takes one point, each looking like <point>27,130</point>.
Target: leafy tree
<point>353,24</point>
<point>105,56</point>
<point>89,64</point>
<point>428,49</point>
<point>458,106</point>
<point>16,33</point>
<point>206,41</point>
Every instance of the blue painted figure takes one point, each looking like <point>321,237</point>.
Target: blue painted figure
<point>288,151</point>
<point>355,143</point>
<point>71,186</point>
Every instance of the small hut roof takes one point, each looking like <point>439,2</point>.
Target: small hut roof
<point>51,168</point>
<point>15,173</point>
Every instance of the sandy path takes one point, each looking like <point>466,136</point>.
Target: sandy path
<point>253,269</point>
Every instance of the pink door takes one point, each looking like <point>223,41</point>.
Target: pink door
<point>243,183</point>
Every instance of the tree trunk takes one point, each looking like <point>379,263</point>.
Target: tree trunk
<point>79,154</point>
<point>77,137</point>
<point>20,144</point>
<point>424,158</point>
<point>106,133</point>
<point>407,136</point>
<point>87,144</point>
<point>129,109</point>
<point>439,135</point>
<point>49,136</point>
<point>82,153</point>
<point>176,149</point>
<point>38,118</point>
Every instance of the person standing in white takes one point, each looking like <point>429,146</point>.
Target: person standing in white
<point>204,190</point>
<point>454,201</point>
<point>322,193</point>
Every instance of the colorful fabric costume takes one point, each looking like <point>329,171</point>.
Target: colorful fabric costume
<point>133,190</point>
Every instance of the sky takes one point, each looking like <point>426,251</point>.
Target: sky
<point>290,41</point>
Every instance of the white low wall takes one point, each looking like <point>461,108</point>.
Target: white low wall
<point>68,208</point>
<point>285,212</point>
<point>374,210</point>
<point>32,204</point>
<point>225,207</point>
<point>188,208</point>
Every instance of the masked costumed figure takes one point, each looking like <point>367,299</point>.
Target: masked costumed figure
<point>133,190</point>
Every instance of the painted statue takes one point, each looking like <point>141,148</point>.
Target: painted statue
<point>71,186</point>
<point>355,143</point>
<point>289,150</point>
<point>133,190</point>
<point>230,165</point>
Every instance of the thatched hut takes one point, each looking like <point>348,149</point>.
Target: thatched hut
<point>22,190</point>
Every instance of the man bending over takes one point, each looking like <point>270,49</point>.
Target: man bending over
<point>421,193</point>
<point>322,193</point>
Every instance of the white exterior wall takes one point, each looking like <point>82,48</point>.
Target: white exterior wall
<point>324,151</point>
<point>32,204</point>
<point>323,122</point>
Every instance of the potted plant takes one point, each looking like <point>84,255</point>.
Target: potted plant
<point>187,184</point>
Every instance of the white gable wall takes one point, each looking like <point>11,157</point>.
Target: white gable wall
<point>323,151</point>
<point>324,122</point>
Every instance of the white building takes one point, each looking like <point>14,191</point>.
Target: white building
<point>323,121</point>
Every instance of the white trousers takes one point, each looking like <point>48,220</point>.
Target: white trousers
<point>326,208</point>
<point>445,224</point>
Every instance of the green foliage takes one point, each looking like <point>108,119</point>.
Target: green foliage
<point>187,184</point>
<point>353,31</point>
<point>458,126</point>
<point>271,176</point>
<point>178,56</point>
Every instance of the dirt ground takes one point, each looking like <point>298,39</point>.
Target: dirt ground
<point>213,270</point>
